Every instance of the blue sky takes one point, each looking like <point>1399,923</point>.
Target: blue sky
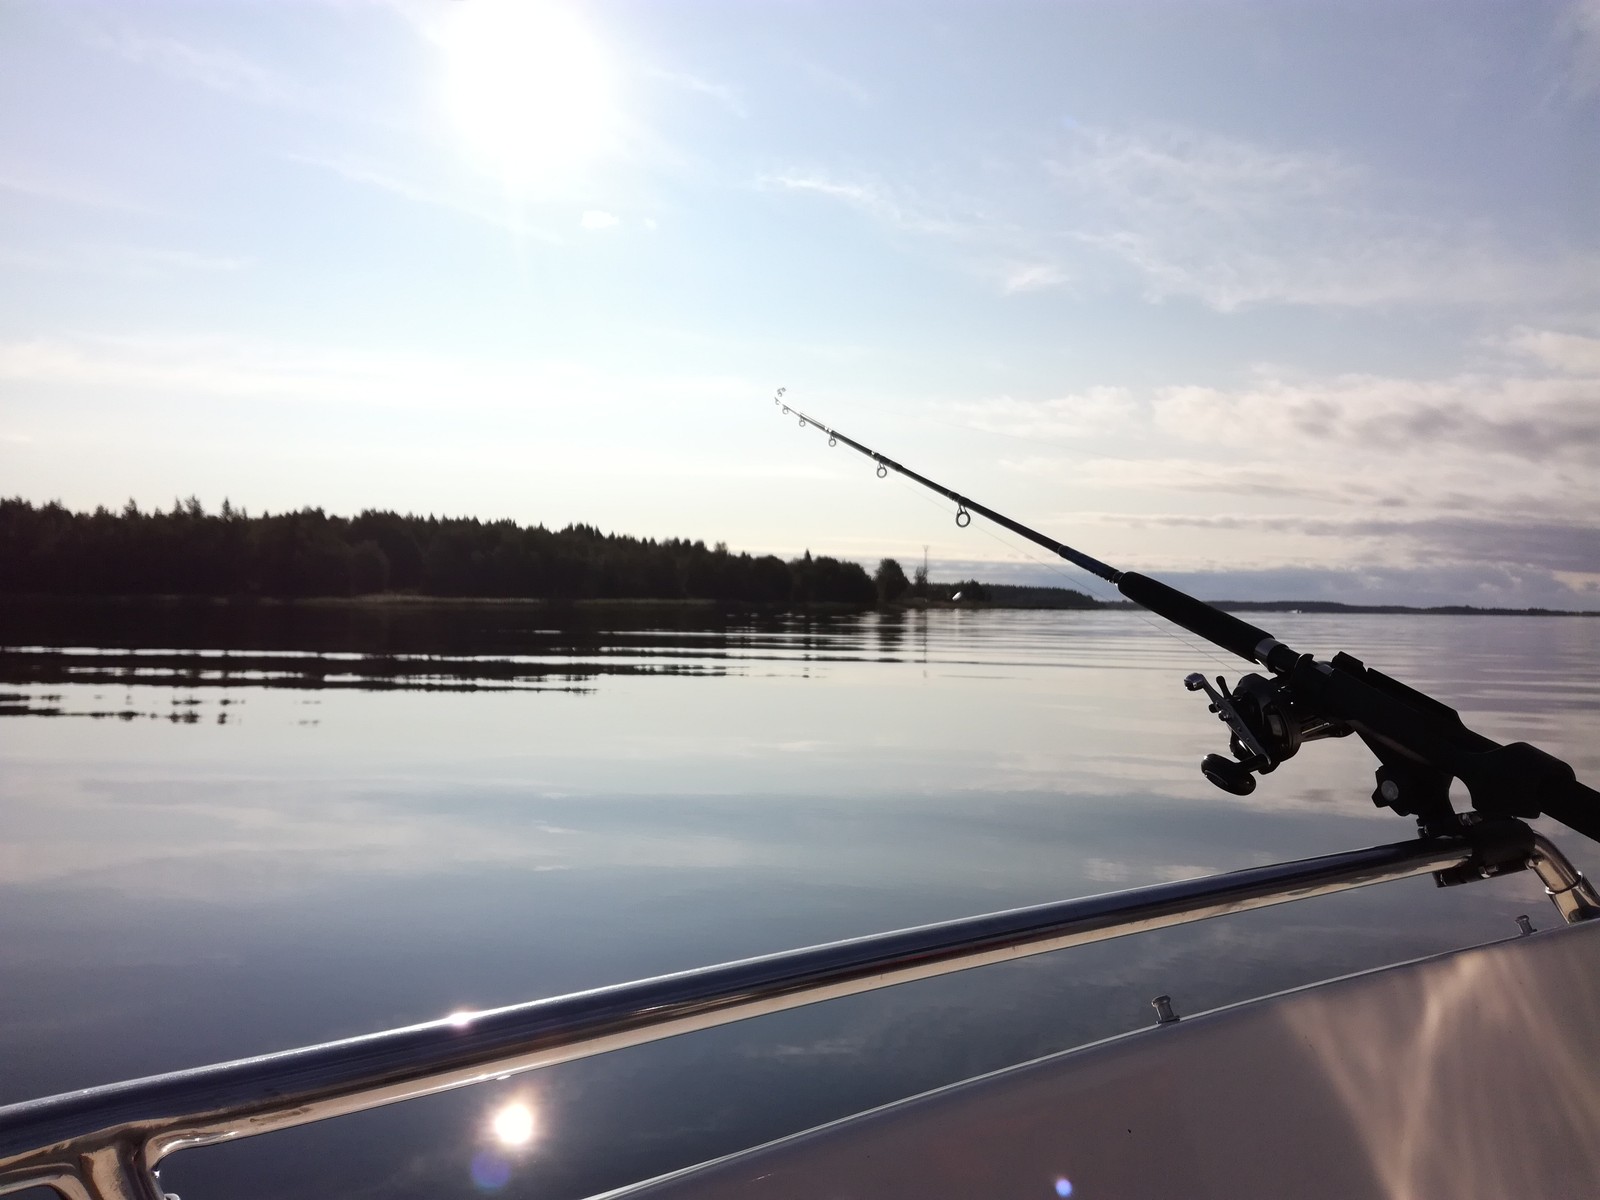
<point>1267,298</point>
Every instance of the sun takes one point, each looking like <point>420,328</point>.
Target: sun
<point>530,88</point>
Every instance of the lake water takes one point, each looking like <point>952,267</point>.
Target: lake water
<point>350,822</point>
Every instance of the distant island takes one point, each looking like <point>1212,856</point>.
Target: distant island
<point>1002,595</point>
<point>1014,596</point>
<point>50,550</point>
<point>1447,610</point>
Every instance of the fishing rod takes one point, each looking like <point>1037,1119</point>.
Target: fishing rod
<point>1421,743</point>
<point>1220,628</point>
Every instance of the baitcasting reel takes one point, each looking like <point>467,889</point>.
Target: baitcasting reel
<point>1267,725</point>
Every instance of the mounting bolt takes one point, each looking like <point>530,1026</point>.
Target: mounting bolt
<point>1389,790</point>
<point>1164,1013</point>
<point>1524,924</point>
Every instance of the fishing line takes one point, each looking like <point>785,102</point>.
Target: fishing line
<point>1182,610</point>
<point>1088,582</point>
<point>966,427</point>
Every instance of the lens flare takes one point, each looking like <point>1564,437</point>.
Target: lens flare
<point>490,1171</point>
<point>1063,1186</point>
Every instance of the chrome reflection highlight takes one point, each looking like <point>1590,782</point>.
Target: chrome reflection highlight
<point>1573,895</point>
<point>513,1124</point>
<point>1063,1186</point>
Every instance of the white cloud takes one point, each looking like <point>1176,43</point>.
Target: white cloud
<point>1232,223</point>
<point>1464,468</point>
<point>236,368</point>
<point>867,197</point>
<point>720,93</point>
<point>502,216</point>
<point>874,199</point>
<point>1362,485</point>
<point>188,260</point>
<point>34,260</point>
<point>1002,255</point>
<point>1571,352</point>
<point>1221,220</point>
<point>1484,582</point>
<point>1173,167</point>
<point>1550,421</point>
<point>134,260</point>
<point>1093,410</point>
<point>215,367</point>
<point>1583,37</point>
<point>214,67</point>
<point>63,192</point>
<point>1032,277</point>
<point>598,219</point>
<point>1415,540</point>
<point>336,95</point>
<point>834,81</point>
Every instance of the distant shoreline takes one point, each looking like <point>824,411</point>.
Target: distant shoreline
<point>1070,602</point>
<point>1437,610</point>
<point>1309,607</point>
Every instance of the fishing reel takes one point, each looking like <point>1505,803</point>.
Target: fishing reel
<point>1267,726</point>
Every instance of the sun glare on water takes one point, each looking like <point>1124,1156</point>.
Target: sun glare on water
<point>529,87</point>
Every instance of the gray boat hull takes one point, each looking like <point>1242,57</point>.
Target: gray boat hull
<point>1474,1075</point>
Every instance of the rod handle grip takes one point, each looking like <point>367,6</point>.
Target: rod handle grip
<point>1574,805</point>
<point>1198,617</point>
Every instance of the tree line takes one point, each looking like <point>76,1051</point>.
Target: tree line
<point>894,588</point>
<point>49,549</point>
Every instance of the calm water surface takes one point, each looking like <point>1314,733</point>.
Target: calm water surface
<point>322,832</point>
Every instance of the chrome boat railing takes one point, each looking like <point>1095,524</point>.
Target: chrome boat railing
<point>104,1143</point>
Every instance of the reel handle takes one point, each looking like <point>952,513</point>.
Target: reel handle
<point>1228,775</point>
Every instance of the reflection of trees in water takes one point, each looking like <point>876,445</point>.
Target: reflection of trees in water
<point>891,631</point>
<point>182,645</point>
<point>178,669</point>
<point>398,627</point>
<point>145,683</point>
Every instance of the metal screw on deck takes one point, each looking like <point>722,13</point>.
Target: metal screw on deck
<point>1164,1013</point>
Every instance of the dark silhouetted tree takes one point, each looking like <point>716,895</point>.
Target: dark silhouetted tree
<point>890,580</point>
